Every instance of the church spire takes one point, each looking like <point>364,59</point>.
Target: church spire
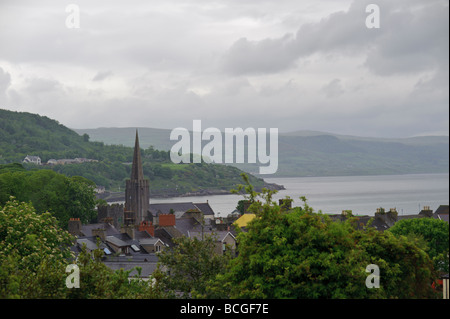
<point>137,190</point>
<point>137,172</point>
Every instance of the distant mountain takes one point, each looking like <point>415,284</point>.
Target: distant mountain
<point>23,134</point>
<point>315,153</point>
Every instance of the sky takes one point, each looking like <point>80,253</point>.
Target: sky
<point>287,64</point>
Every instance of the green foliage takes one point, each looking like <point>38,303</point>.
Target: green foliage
<point>302,254</point>
<point>97,281</point>
<point>433,233</point>
<point>33,253</point>
<point>188,267</point>
<point>64,197</point>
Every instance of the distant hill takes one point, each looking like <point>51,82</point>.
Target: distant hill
<point>314,153</point>
<point>23,134</point>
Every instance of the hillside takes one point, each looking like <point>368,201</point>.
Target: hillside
<point>313,153</point>
<point>23,134</point>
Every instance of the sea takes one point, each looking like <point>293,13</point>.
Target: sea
<point>360,194</point>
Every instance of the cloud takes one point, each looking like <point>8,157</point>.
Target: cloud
<point>288,64</point>
<point>101,75</point>
<point>266,56</point>
<point>5,82</point>
<point>412,38</point>
<point>333,88</point>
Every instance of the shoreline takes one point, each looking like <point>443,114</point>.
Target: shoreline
<point>120,196</point>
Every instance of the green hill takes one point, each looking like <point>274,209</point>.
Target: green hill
<point>23,134</point>
<point>313,153</point>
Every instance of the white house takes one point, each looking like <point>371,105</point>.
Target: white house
<point>32,159</point>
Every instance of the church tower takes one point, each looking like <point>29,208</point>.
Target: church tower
<point>137,191</point>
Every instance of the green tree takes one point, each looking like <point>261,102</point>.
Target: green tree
<point>48,191</point>
<point>97,281</point>
<point>433,233</point>
<point>302,254</point>
<point>34,252</point>
<point>188,267</point>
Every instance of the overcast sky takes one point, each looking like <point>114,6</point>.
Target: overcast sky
<point>286,64</point>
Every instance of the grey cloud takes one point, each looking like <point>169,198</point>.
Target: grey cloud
<point>266,56</point>
<point>333,89</point>
<point>415,40</point>
<point>412,38</point>
<point>101,75</point>
<point>5,82</point>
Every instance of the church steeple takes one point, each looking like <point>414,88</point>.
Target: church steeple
<point>137,191</point>
<point>137,172</point>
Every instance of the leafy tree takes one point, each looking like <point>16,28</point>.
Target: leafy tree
<point>48,191</point>
<point>241,206</point>
<point>34,252</point>
<point>189,266</point>
<point>97,281</point>
<point>302,254</point>
<point>433,233</point>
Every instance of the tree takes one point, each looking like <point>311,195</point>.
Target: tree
<point>97,281</point>
<point>433,233</point>
<point>189,266</point>
<point>34,253</point>
<point>48,191</point>
<point>302,254</point>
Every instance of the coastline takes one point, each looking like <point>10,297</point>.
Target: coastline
<point>170,193</point>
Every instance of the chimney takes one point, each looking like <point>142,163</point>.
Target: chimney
<point>74,227</point>
<point>148,227</point>
<point>389,217</point>
<point>426,211</point>
<point>99,232</point>
<point>128,229</point>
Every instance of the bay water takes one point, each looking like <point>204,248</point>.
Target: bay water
<point>361,194</point>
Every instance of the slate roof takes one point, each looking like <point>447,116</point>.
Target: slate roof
<point>186,224</point>
<point>90,242</point>
<point>180,208</point>
<point>442,213</point>
<point>165,208</point>
<point>147,268</point>
<point>219,235</point>
<point>109,229</point>
<point>205,208</point>
<point>378,223</point>
<point>120,241</point>
<point>165,236</point>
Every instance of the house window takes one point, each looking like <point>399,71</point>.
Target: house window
<point>157,248</point>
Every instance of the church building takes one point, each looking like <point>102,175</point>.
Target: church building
<point>137,191</point>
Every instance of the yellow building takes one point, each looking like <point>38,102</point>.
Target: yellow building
<point>244,220</point>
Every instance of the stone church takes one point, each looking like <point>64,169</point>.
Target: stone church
<point>138,212</point>
<point>137,191</point>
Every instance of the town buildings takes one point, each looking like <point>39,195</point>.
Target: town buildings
<point>132,234</point>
